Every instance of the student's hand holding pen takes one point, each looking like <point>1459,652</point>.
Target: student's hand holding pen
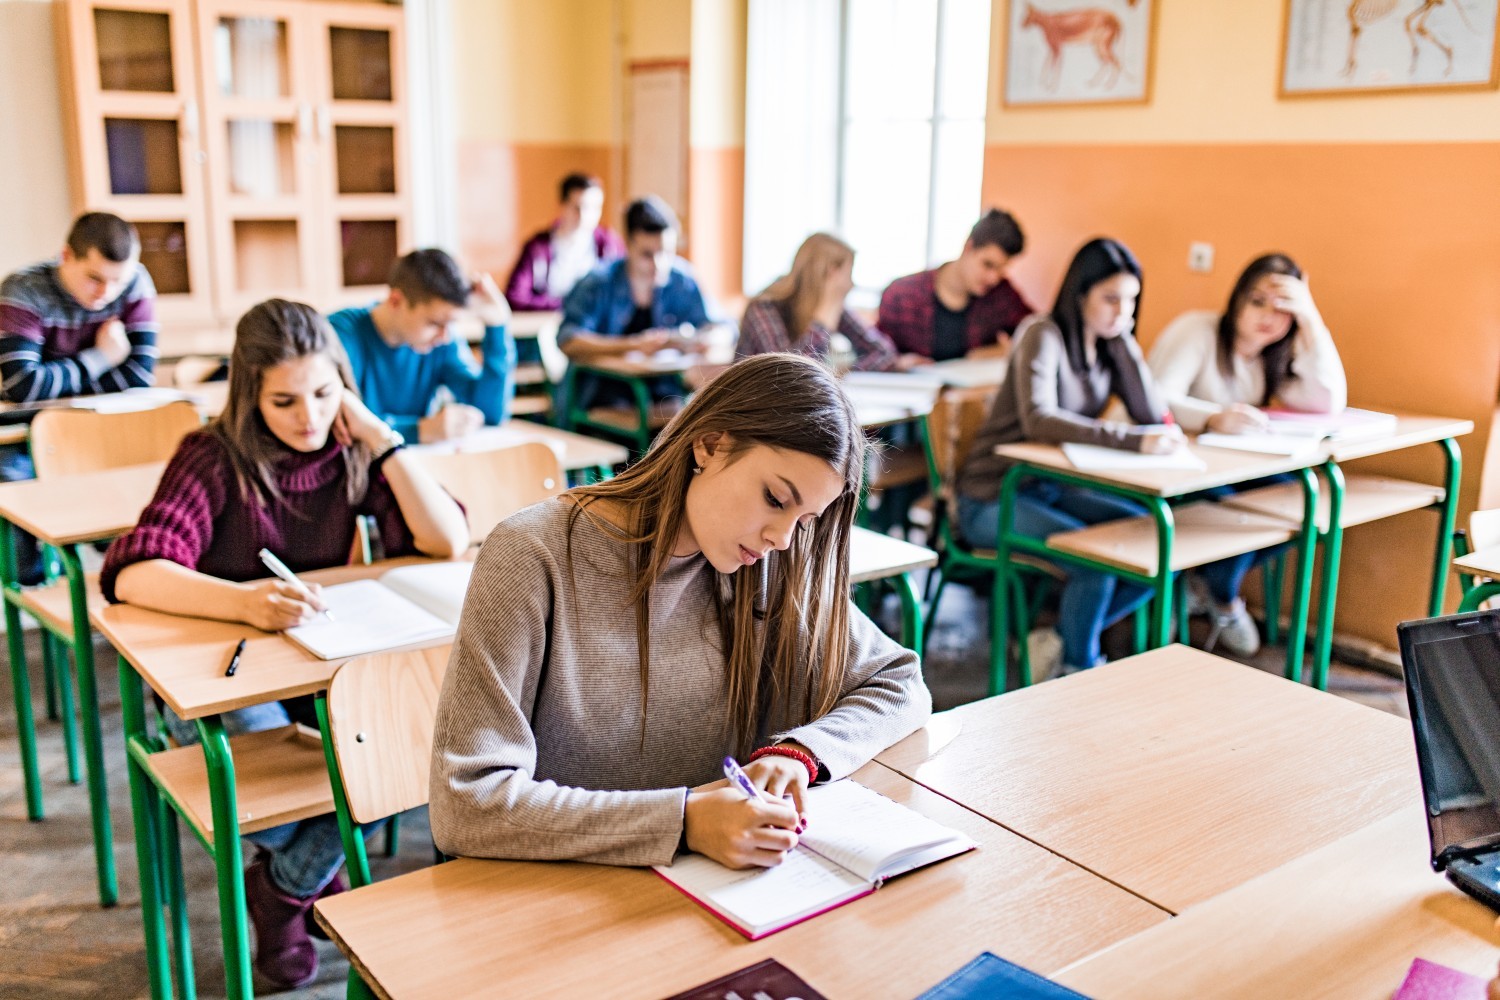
<point>725,822</point>
<point>1238,418</point>
<point>1161,440</point>
<point>780,778</point>
<point>272,605</point>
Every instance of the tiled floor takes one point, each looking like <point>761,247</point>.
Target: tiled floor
<point>55,941</point>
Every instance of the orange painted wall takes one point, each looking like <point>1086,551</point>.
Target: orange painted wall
<point>716,247</point>
<point>1400,244</point>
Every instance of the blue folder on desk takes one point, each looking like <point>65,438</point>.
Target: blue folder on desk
<point>993,978</point>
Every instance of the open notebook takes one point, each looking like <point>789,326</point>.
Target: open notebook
<point>404,606</point>
<point>856,839</point>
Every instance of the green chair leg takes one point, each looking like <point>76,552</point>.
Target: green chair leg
<point>1142,621</point>
<point>1180,608</point>
<point>1272,573</point>
<point>20,685</point>
<point>176,901</point>
<point>1023,630</point>
<point>54,654</point>
<point>146,811</point>
<point>49,679</point>
<point>393,835</point>
<point>932,608</point>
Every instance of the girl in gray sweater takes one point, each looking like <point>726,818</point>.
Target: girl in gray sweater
<point>1063,371</point>
<point>619,641</point>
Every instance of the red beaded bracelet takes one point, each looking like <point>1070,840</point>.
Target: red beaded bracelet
<point>802,756</point>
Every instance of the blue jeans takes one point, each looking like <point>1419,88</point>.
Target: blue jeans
<point>1091,601</point>
<point>1225,577</point>
<point>305,855</point>
<point>15,466</point>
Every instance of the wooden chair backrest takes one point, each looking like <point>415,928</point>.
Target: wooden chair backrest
<point>492,485</point>
<point>381,713</point>
<point>951,426</point>
<point>69,442</point>
<point>1484,529</point>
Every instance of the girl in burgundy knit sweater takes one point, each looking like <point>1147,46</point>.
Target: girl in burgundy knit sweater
<point>292,461</point>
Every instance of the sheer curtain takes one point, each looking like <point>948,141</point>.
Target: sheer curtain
<point>791,131</point>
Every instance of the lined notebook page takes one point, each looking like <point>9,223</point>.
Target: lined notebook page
<point>867,833</point>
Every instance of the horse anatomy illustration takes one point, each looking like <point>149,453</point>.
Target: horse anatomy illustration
<point>1363,13</point>
<point>1083,26</point>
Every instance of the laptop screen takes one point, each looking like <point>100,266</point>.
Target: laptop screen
<point>1453,681</point>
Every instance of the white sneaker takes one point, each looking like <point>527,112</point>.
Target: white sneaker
<point>1044,648</point>
<point>1233,625</point>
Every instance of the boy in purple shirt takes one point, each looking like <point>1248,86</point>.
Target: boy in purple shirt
<point>79,325</point>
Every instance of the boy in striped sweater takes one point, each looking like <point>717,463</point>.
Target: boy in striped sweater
<point>81,324</point>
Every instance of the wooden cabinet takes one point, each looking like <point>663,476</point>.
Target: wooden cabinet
<point>261,146</point>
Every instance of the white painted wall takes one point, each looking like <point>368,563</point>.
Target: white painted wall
<point>35,206</point>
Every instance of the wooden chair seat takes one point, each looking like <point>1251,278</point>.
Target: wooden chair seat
<point>53,604</point>
<point>1205,532</point>
<point>526,406</point>
<point>1366,498</point>
<point>279,774</point>
<point>627,420</point>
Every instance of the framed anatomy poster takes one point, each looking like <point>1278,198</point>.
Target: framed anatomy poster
<point>1364,46</point>
<point>1078,52</point>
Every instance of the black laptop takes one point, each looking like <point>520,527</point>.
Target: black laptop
<point>1453,686</point>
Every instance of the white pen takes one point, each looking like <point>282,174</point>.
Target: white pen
<point>279,568</point>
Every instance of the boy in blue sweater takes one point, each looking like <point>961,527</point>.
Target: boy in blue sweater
<point>402,352</point>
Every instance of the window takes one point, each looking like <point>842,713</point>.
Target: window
<point>884,143</point>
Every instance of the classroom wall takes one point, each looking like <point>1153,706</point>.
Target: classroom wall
<point>1388,202</point>
<point>716,155</point>
<point>34,199</point>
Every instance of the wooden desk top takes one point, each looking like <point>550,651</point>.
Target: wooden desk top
<point>1342,922</point>
<point>526,929</point>
<point>1224,468</point>
<point>668,362</point>
<point>574,451</point>
<point>873,556</point>
<point>84,508</point>
<point>1174,774</point>
<point>1411,430</point>
<point>886,404</point>
<point>1485,562</point>
<point>183,659</point>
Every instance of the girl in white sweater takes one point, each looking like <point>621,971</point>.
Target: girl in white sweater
<point>1218,371</point>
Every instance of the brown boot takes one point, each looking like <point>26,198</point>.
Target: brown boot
<point>284,954</point>
<point>333,888</point>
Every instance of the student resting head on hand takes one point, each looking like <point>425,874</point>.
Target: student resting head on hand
<point>289,464</point>
<point>618,641</point>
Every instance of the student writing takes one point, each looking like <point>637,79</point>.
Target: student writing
<point>1064,368</point>
<point>804,308</point>
<point>402,352</point>
<point>294,457</point>
<point>1269,346</point>
<point>619,641</point>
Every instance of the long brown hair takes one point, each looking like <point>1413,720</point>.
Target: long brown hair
<point>271,333</point>
<point>1275,358</point>
<point>798,293</point>
<point>784,622</point>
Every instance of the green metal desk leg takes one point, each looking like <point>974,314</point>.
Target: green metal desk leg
<point>1448,512</point>
<point>1000,595</point>
<point>1166,535</point>
<point>176,899</point>
<point>1307,540</point>
<point>642,393</point>
<point>145,802</point>
<point>49,681</point>
<point>911,611</point>
<point>219,759</point>
<point>1271,577</point>
<point>93,744</point>
<point>55,659</point>
<point>20,680</point>
<point>1478,595</point>
<point>1333,555</point>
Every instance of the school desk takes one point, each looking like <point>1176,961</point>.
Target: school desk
<point>967,373</point>
<point>636,371</point>
<point>1342,922</point>
<point>1147,552</point>
<point>593,458</point>
<point>67,513</point>
<point>1484,565</point>
<point>1174,774</point>
<point>873,556</point>
<point>566,929</point>
<point>1360,499</point>
<point>277,777</point>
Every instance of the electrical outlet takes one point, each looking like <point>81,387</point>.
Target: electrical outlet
<point>1201,257</point>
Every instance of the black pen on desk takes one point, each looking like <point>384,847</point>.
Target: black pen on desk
<point>234,661</point>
